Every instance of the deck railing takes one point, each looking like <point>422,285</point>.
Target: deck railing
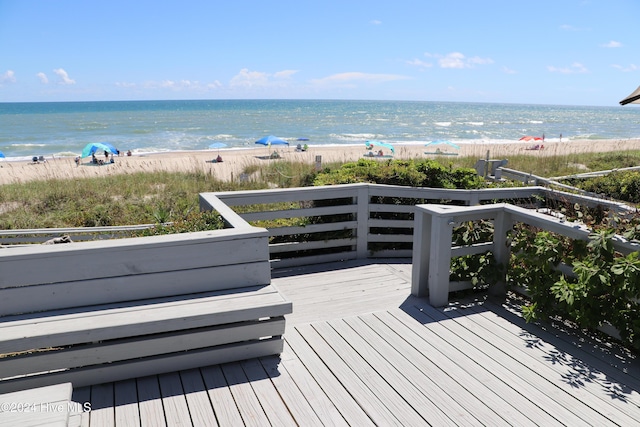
<point>328,223</point>
<point>433,250</point>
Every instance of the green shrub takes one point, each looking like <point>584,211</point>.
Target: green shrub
<point>623,186</point>
<point>603,288</point>
<point>413,173</point>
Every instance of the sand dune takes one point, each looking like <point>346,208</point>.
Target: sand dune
<point>235,161</point>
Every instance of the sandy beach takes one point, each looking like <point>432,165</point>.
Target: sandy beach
<point>235,161</point>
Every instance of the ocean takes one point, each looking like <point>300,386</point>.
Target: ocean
<point>64,128</point>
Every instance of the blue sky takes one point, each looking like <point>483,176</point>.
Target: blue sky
<point>567,52</point>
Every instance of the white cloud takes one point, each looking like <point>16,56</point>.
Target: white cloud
<point>43,78</point>
<point>285,74</point>
<point>612,44</point>
<point>507,70</point>
<point>575,68</point>
<point>246,78</point>
<point>64,77</point>
<point>420,63</point>
<point>182,84</point>
<point>375,22</point>
<point>355,76</point>
<point>259,79</point>
<point>458,60</point>
<point>631,67</point>
<point>8,77</point>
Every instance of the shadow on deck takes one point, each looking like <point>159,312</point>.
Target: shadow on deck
<point>360,351</point>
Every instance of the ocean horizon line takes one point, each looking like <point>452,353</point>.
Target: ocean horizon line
<point>147,126</point>
<point>616,105</point>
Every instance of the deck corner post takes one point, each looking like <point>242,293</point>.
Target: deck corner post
<point>503,223</point>
<point>421,251</point>
<point>440,260</point>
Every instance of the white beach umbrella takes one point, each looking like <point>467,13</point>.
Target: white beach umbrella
<point>634,98</point>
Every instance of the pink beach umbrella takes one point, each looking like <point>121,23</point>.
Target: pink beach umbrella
<point>530,138</point>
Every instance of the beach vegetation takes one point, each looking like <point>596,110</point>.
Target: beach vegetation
<point>620,185</point>
<point>557,162</point>
<point>412,173</point>
<point>598,287</point>
<point>140,198</point>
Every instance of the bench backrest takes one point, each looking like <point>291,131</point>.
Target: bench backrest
<point>49,277</point>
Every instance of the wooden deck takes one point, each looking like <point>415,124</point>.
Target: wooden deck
<point>360,351</point>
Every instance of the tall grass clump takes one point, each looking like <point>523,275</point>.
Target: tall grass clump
<point>140,198</point>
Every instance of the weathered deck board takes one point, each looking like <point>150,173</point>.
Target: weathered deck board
<point>151,409</point>
<point>512,367</point>
<point>225,408</point>
<point>585,381</point>
<point>363,352</point>
<point>335,391</point>
<point>173,399</point>
<point>248,404</point>
<point>197,399</point>
<point>292,396</point>
<point>126,404</point>
<point>381,376</point>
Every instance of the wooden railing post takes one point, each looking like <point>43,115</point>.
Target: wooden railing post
<point>421,253</point>
<point>362,238</point>
<point>503,223</point>
<point>440,260</point>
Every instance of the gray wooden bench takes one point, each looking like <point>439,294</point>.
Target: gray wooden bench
<point>92,312</point>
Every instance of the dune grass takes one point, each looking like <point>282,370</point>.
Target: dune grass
<point>154,197</point>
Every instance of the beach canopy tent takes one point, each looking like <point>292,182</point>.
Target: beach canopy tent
<point>271,140</point>
<point>1,155</point>
<point>112,149</point>
<point>442,142</point>
<point>634,98</point>
<point>92,147</point>
<point>371,144</point>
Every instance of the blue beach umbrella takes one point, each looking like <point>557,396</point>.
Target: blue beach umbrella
<point>2,155</point>
<point>92,147</point>
<point>442,141</point>
<point>370,144</point>
<point>271,140</point>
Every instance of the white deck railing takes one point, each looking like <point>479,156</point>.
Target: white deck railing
<point>373,220</point>
<point>433,250</point>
